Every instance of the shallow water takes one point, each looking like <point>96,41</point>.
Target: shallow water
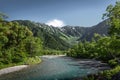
<point>55,68</point>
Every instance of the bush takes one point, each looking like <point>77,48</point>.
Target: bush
<point>109,73</point>
<point>33,60</point>
<point>113,62</point>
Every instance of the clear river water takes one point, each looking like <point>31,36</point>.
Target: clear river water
<point>54,68</point>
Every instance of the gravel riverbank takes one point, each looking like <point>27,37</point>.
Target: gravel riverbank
<point>12,69</point>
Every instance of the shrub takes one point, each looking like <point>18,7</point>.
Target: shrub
<point>113,62</point>
<point>110,73</point>
<point>33,60</point>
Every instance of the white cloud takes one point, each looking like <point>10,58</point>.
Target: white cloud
<point>56,23</point>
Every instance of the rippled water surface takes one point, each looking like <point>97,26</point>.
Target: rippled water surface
<point>56,68</point>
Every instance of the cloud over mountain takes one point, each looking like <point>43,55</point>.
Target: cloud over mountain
<point>56,23</point>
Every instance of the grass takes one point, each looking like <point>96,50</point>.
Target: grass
<point>27,61</point>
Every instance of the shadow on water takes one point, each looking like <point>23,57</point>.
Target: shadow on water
<point>54,68</point>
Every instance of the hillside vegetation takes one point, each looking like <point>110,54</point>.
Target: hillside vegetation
<point>65,37</point>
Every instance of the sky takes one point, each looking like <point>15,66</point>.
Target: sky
<point>56,12</point>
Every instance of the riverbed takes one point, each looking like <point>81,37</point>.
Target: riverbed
<point>57,68</point>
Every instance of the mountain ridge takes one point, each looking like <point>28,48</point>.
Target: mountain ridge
<point>64,37</point>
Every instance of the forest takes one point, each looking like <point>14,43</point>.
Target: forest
<point>17,44</point>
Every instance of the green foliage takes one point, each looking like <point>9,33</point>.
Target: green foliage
<point>82,50</point>
<point>109,73</point>
<point>113,62</point>
<point>104,75</point>
<point>17,43</point>
<point>53,52</point>
<point>3,16</point>
<point>113,14</point>
<point>33,60</point>
<point>33,46</point>
<point>102,48</point>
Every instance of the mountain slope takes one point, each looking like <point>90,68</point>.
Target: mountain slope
<point>86,33</point>
<point>101,28</point>
<point>51,36</point>
<point>63,38</point>
<point>75,31</point>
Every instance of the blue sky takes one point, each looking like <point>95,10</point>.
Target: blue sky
<point>60,12</point>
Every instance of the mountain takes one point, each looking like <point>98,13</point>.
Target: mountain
<point>101,28</point>
<point>52,37</point>
<point>63,38</point>
<point>86,33</point>
<point>75,31</point>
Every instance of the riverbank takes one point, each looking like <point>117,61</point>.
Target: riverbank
<point>30,61</point>
<point>16,67</point>
<point>52,56</point>
<point>12,69</point>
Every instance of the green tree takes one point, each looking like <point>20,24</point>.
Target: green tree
<point>113,14</point>
<point>14,40</point>
<point>33,46</point>
<point>3,16</point>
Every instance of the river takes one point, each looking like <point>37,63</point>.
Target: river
<point>56,68</point>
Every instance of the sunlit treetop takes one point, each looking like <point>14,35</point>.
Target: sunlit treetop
<point>113,14</point>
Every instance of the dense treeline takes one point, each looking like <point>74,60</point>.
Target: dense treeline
<point>102,48</point>
<point>106,48</point>
<point>17,43</point>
